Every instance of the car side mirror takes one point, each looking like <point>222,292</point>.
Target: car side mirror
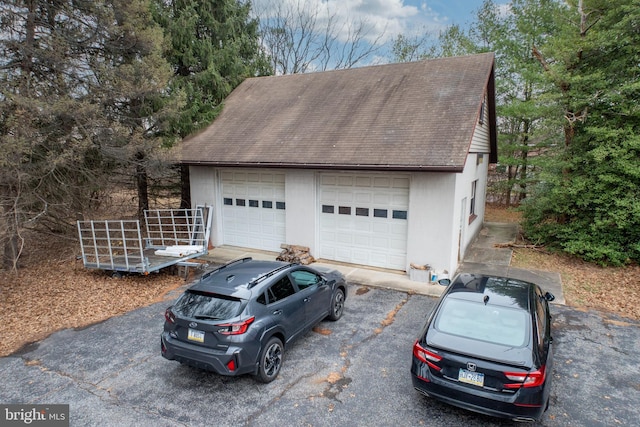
<point>444,282</point>
<point>549,296</point>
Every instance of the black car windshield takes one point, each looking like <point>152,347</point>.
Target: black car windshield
<point>476,320</point>
<point>204,305</point>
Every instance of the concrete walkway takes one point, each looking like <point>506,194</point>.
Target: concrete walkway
<point>483,257</point>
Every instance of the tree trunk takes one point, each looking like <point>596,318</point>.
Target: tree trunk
<point>11,249</point>
<point>142,183</point>
<point>185,188</point>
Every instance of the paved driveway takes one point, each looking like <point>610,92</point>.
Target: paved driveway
<point>351,372</point>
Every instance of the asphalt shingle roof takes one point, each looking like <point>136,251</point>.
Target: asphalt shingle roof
<point>405,116</point>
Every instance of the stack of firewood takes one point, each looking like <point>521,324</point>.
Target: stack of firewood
<point>295,254</point>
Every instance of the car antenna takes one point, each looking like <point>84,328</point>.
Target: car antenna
<point>486,299</point>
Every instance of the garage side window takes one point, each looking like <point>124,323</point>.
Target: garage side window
<point>472,210</point>
<point>281,289</point>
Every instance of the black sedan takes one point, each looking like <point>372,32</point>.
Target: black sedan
<point>487,347</point>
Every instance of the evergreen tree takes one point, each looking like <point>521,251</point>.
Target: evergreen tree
<point>588,199</point>
<point>49,168</point>
<point>213,46</point>
<point>81,88</point>
<point>133,81</point>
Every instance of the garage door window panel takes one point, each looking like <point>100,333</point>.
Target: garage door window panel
<point>380,213</point>
<point>399,214</point>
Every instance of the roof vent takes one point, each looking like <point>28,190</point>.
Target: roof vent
<point>231,277</point>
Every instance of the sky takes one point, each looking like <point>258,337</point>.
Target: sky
<point>394,17</point>
<point>384,20</point>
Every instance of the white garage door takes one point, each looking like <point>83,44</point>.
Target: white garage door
<point>363,219</point>
<point>253,209</point>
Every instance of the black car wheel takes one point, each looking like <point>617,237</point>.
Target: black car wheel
<point>270,360</point>
<point>337,305</point>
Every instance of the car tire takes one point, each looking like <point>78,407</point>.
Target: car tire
<point>270,361</point>
<point>337,305</point>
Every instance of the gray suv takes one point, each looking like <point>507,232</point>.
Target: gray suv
<point>238,318</point>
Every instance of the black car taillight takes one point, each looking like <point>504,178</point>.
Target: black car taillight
<point>237,328</point>
<point>169,316</point>
<point>426,356</point>
<point>526,379</point>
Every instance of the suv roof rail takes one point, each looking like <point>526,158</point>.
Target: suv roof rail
<point>215,270</point>
<point>269,274</point>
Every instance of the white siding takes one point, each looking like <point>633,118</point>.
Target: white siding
<point>205,191</point>
<point>480,139</point>
<point>435,232</point>
<point>302,216</point>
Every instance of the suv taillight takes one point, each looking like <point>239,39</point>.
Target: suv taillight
<point>526,379</point>
<point>235,328</point>
<point>169,316</point>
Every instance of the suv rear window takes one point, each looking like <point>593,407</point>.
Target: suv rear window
<point>203,305</point>
<point>478,321</point>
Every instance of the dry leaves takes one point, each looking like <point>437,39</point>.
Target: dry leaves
<point>615,290</point>
<point>58,293</point>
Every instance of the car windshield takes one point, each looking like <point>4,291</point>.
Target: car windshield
<point>202,305</point>
<point>496,324</point>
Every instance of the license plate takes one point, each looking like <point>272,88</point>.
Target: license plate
<point>475,378</point>
<point>195,335</point>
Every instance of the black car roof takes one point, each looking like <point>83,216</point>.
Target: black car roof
<point>238,277</point>
<point>493,290</point>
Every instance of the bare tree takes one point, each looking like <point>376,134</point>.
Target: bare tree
<point>305,36</point>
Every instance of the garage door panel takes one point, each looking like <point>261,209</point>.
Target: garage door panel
<point>345,239</point>
<point>361,226</point>
<point>342,252</point>
<point>362,198</point>
<point>250,218</point>
<point>361,209</point>
<point>345,180</point>
<point>328,179</point>
<point>382,182</point>
<point>363,181</point>
<point>345,197</point>
<point>398,245</point>
<point>365,241</point>
<point>399,200</point>
<point>381,228</point>
<point>402,183</point>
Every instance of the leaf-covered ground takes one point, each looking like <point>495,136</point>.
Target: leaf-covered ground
<point>588,286</point>
<point>53,290</point>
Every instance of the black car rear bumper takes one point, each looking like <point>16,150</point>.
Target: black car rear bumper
<point>456,395</point>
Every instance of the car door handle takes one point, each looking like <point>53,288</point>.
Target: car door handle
<point>277,312</point>
<point>306,299</point>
